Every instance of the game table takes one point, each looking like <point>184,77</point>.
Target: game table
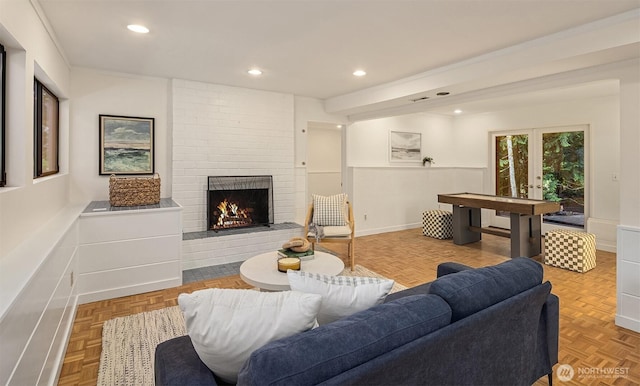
<point>525,215</point>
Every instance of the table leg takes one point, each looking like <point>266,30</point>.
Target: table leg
<point>526,235</point>
<point>463,218</point>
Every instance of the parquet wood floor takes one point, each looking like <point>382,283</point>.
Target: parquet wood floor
<point>589,340</point>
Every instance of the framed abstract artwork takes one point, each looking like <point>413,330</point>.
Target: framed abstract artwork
<point>405,146</point>
<point>126,145</point>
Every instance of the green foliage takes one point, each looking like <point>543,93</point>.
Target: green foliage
<point>563,168</point>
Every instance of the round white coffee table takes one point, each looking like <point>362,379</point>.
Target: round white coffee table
<point>261,271</point>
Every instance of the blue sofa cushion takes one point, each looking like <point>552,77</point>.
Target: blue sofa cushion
<point>470,291</point>
<point>423,289</point>
<point>320,354</point>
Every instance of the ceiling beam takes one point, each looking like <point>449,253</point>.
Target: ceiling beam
<point>606,40</point>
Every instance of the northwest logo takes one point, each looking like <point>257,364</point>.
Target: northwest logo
<point>565,373</point>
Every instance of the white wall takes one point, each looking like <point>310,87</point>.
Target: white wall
<point>387,199</point>
<point>324,158</point>
<point>368,141</point>
<point>390,196</point>
<point>95,92</point>
<point>37,230</point>
<point>230,131</point>
<point>26,204</point>
<point>628,257</point>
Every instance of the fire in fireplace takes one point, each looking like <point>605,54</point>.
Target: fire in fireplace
<point>239,201</point>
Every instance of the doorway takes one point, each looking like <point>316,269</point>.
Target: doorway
<point>324,158</point>
<point>543,164</point>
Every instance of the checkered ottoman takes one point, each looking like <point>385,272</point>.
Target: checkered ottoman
<point>437,224</point>
<point>573,250</point>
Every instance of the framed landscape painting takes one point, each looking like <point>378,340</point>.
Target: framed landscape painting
<point>126,145</point>
<point>405,147</point>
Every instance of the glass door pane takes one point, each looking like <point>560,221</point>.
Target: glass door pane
<point>563,176</point>
<point>543,164</point>
<point>512,166</point>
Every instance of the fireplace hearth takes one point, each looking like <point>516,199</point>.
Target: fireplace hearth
<point>239,202</point>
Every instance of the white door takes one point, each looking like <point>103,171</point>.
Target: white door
<point>544,164</point>
<point>324,158</point>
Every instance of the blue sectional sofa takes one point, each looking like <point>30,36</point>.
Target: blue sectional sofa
<point>495,325</point>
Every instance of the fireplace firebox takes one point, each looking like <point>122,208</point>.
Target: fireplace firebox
<point>239,202</point>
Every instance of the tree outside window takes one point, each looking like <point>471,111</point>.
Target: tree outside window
<point>512,166</point>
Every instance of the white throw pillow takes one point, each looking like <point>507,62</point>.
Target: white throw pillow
<point>226,325</point>
<point>341,295</point>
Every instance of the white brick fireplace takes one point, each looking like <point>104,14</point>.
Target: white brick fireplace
<point>229,131</point>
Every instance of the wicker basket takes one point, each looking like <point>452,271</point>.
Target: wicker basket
<point>134,191</point>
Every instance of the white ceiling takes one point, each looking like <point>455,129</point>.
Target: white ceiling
<point>307,48</point>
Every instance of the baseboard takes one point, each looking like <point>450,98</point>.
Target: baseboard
<point>111,293</point>
<point>605,231</point>
<point>62,342</point>
<point>628,323</point>
<point>394,228</point>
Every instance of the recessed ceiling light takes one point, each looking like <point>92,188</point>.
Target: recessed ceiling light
<point>457,111</point>
<point>359,73</point>
<point>442,93</point>
<point>255,71</point>
<point>138,28</point>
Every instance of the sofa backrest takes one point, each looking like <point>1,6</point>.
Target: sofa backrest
<point>470,291</point>
<point>323,353</point>
<point>504,344</point>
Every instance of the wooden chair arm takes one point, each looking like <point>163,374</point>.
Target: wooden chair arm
<point>307,220</point>
<point>352,222</point>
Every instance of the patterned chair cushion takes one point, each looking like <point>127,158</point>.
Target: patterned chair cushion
<point>330,210</point>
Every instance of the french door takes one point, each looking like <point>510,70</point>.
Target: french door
<point>543,164</point>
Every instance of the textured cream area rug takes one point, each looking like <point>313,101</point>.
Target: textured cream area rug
<point>129,342</point>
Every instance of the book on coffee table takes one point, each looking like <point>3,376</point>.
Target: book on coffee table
<point>308,255</point>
